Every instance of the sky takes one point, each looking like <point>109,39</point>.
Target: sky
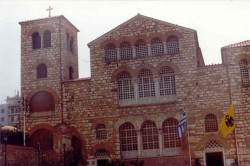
<point>218,23</point>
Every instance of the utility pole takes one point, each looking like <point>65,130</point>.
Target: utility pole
<point>25,110</point>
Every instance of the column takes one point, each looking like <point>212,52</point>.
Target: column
<point>149,50</point>
<point>133,51</point>
<point>157,87</point>
<point>160,142</point>
<point>118,53</point>
<point>139,143</point>
<point>165,47</point>
<point>41,35</point>
<point>135,84</point>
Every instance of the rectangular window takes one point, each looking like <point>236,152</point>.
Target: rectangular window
<point>12,110</point>
<point>2,119</point>
<point>12,119</point>
<point>2,110</point>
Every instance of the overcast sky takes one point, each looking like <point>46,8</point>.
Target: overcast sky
<point>217,23</point>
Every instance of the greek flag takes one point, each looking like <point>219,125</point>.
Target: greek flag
<point>180,128</point>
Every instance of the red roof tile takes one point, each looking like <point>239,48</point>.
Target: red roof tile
<point>240,44</point>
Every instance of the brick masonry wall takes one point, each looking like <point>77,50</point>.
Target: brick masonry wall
<point>87,102</point>
<point>19,156</point>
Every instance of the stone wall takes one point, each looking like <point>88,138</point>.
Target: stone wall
<point>19,156</point>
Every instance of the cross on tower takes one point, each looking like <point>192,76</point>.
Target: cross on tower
<point>49,9</point>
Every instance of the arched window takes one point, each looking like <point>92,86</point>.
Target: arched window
<point>70,73</point>
<point>110,52</point>
<point>36,40</point>
<point>126,51</point>
<point>244,72</point>
<point>71,44</point>
<point>169,130</point>
<point>211,123</point>
<point>101,132</point>
<point>128,137</point>
<point>146,83</point>
<point>42,101</point>
<point>141,48</point>
<point>149,135</point>
<point>42,138</point>
<point>125,86</point>
<point>68,42</point>
<point>167,81</point>
<point>41,71</point>
<point>172,45</point>
<point>157,46</point>
<point>46,39</point>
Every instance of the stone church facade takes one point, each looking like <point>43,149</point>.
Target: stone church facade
<point>144,74</point>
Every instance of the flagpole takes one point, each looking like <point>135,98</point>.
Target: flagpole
<point>236,141</point>
<point>230,98</point>
<point>190,161</point>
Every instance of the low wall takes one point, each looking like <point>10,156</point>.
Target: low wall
<point>19,156</point>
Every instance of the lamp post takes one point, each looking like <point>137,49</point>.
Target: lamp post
<point>64,158</point>
<point>38,153</point>
<point>5,141</point>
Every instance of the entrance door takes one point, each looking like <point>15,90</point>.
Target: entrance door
<point>214,159</point>
<point>102,162</point>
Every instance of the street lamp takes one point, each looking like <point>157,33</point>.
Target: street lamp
<point>64,161</point>
<point>5,141</point>
<point>38,153</point>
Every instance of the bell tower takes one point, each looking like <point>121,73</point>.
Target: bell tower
<point>48,57</point>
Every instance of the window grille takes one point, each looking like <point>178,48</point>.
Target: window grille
<point>211,123</point>
<point>41,71</point>
<point>125,86</point>
<point>244,71</point>
<point>172,45</point>
<point>149,135</point>
<point>157,47</point>
<point>213,144</point>
<point>101,132</point>
<point>169,130</point>
<point>128,137</point>
<point>167,82</point>
<point>47,39</point>
<point>70,73</point>
<point>126,51</point>
<point>102,153</point>
<point>110,52</point>
<point>36,40</point>
<point>141,48</point>
<point>42,138</point>
<point>146,84</point>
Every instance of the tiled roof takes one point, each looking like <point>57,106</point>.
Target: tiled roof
<point>240,44</point>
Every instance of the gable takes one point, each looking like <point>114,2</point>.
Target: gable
<point>139,25</point>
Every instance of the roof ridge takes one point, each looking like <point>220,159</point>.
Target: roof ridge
<point>136,16</point>
<point>239,44</point>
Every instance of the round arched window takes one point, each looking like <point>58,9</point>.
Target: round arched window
<point>42,101</point>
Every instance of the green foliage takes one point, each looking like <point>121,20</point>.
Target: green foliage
<point>197,162</point>
<point>116,163</point>
<point>14,136</point>
<point>137,163</point>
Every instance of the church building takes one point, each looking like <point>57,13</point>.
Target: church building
<point>144,74</point>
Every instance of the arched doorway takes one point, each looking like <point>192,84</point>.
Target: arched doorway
<point>42,139</point>
<point>77,150</point>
